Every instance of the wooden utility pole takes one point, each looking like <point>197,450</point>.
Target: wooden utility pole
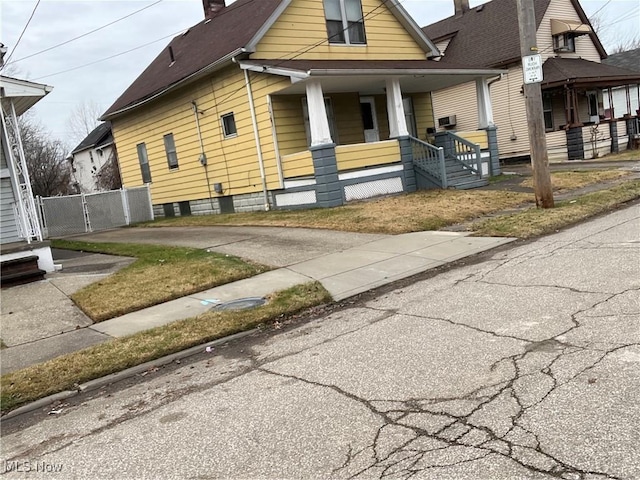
<point>535,116</point>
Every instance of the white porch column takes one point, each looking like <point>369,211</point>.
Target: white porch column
<point>318,122</point>
<point>395,110</point>
<point>485,110</point>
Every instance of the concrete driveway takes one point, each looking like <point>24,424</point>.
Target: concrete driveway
<point>524,366</point>
<point>275,246</point>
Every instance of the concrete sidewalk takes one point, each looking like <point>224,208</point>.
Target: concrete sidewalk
<point>377,262</point>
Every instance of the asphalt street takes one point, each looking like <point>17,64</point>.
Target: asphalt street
<point>523,366</point>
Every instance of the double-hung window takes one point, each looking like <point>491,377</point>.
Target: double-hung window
<point>345,22</point>
<point>144,163</point>
<point>170,148</point>
<point>547,108</point>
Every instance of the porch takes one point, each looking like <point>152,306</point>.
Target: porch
<point>357,133</point>
<point>582,118</point>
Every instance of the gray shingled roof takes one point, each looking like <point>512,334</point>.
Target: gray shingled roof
<point>199,47</point>
<point>101,135</point>
<point>488,35</point>
<point>629,60</point>
<point>558,71</point>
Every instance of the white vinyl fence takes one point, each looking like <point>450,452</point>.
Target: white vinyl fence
<point>91,212</point>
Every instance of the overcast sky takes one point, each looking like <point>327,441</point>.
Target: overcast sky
<point>57,21</point>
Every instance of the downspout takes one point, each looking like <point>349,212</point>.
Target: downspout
<point>275,141</point>
<point>267,207</point>
<point>203,157</point>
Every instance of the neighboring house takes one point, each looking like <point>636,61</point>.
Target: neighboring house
<point>627,98</point>
<point>20,230</point>
<point>89,159</point>
<point>487,36</point>
<point>287,103</point>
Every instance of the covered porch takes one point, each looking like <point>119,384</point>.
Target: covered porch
<point>348,130</point>
<point>20,231</point>
<point>580,118</point>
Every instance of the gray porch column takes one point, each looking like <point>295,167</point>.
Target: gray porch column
<point>494,155</point>
<point>328,189</point>
<point>406,156</point>
<point>575,144</point>
<point>613,131</point>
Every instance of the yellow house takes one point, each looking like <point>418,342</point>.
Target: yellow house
<point>292,103</point>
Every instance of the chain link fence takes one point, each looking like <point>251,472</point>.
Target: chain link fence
<point>73,214</point>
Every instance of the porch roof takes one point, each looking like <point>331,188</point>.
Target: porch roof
<point>584,73</point>
<point>370,75</point>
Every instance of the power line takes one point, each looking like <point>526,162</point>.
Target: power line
<point>22,33</point>
<point>110,57</point>
<point>88,33</point>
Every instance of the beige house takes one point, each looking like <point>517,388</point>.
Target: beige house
<point>578,126</point>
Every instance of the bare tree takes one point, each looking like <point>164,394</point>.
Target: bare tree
<point>48,170</point>
<point>108,177</point>
<point>83,119</point>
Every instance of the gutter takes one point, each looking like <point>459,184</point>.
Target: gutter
<point>397,72</point>
<point>217,65</point>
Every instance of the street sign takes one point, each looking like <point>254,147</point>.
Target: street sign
<point>532,68</point>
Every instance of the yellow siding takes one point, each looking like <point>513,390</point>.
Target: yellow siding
<point>382,116</point>
<point>287,114</point>
<point>563,10</point>
<point>302,25</point>
<point>363,155</point>
<point>232,162</point>
<point>423,110</point>
<point>476,136</point>
<point>297,164</point>
<point>346,112</point>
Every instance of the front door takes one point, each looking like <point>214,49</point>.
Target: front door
<point>369,120</point>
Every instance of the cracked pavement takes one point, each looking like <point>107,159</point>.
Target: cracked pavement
<point>523,366</point>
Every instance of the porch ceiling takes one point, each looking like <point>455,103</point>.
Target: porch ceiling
<point>370,77</point>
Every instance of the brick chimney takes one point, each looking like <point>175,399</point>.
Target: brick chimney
<point>462,6</point>
<point>212,7</point>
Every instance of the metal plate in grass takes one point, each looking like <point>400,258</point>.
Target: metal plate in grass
<point>241,304</point>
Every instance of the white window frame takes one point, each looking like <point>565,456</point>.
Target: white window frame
<point>143,159</point>
<point>564,43</point>
<point>170,150</point>
<point>547,108</point>
<point>225,133</point>
<point>345,26</point>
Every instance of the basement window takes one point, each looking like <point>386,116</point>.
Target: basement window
<point>345,22</point>
<point>229,125</point>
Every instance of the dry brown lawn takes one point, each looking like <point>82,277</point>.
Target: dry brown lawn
<point>423,210</point>
<point>572,180</point>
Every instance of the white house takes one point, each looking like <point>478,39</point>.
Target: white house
<point>90,157</point>
<point>21,244</point>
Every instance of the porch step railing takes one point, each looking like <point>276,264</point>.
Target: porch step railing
<point>430,159</point>
<point>467,153</point>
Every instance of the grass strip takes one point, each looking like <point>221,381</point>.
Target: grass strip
<point>535,222</point>
<point>159,274</point>
<point>574,179</point>
<point>62,373</point>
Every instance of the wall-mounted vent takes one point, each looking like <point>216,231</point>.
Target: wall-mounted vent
<point>449,121</point>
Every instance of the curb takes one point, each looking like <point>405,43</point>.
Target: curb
<point>122,375</point>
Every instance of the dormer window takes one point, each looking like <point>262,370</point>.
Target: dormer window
<point>564,43</point>
<point>345,22</point>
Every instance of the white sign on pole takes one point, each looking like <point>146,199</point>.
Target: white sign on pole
<point>532,68</point>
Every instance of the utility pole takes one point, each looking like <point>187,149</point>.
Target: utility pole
<point>533,99</point>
